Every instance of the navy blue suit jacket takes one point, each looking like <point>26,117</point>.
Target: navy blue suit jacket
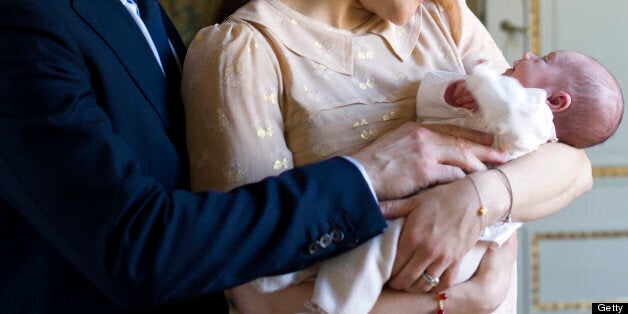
<point>94,212</point>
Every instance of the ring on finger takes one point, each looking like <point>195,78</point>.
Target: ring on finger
<point>433,281</point>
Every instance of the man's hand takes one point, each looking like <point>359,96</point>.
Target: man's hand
<point>458,95</point>
<point>413,157</point>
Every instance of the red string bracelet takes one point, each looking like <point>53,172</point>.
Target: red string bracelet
<point>441,302</point>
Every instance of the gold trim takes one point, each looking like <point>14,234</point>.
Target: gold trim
<point>580,305</point>
<point>610,171</point>
<point>534,29</point>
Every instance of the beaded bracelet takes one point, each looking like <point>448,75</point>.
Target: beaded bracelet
<point>482,210</point>
<point>441,302</point>
<point>504,179</point>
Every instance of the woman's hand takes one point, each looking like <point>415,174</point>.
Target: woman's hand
<point>414,157</point>
<point>481,294</point>
<point>442,227</point>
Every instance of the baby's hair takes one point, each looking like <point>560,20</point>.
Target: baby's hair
<point>596,101</point>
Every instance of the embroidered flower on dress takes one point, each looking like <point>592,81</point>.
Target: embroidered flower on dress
<point>215,120</point>
<point>233,172</point>
<point>367,134</point>
<point>269,95</point>
<point>363,80</point>
<point>262,129</point>
<point>399,78</point>
<point>389,116</point>
<point>281,159</point>
<point>364,51</point>
<point>289,22</point>
<point>233,75</point>
<point>323,47</point>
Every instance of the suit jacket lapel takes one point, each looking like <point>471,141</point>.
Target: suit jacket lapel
<point>107,18</point>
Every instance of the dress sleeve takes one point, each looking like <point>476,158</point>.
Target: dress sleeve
<point>230,91</point>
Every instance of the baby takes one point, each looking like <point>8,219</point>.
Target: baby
<point>565,96</point>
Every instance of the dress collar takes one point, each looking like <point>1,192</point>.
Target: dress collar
<point>324,44</point>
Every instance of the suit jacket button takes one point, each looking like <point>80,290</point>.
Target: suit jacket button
<point>313,248</point>
<point>337,235</point>
<point>324,241</point>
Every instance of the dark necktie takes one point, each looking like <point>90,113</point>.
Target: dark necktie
<point>150,12</point>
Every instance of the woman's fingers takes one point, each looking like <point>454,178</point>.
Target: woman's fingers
<point>438,231</point>
<point>409,276</point>
<point>412,157</point>
<point>448,278</point>
<point>464,133</point>
<point>465,148</point>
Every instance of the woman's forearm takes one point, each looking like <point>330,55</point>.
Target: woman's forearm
<point>542,182</point>
<point>403,302</point>
<point>292,300</point>
<point>482,293</point>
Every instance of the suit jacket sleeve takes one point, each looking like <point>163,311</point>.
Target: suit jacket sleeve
<point>69,171</point>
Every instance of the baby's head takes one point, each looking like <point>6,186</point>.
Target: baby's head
<point>583,95</point>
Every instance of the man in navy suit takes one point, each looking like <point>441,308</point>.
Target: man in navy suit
<point>94,212</point>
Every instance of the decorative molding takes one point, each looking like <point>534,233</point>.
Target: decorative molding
<point>534,28</point>
<point>610,171</point>
<point>579,305</point>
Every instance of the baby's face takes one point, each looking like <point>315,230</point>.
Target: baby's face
<point>536,72</point>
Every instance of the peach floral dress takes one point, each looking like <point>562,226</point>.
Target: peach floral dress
<point>271,88</point>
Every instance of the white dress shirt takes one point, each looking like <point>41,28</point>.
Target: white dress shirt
<point>131,6</point>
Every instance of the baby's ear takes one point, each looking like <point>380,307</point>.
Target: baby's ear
<point>559,101</point>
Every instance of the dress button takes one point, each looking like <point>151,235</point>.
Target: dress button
<point>324,241</point>
<point>337,235</point>
<point>313,248</point>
